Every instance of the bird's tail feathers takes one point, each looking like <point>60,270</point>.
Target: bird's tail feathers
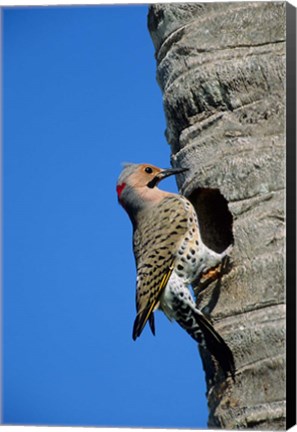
<point>205,334</point>
<point>215,344</point>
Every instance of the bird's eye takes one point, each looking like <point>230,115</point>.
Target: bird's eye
<point>148,170</point>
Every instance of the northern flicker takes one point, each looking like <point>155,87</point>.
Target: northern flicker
<point>170,255</point>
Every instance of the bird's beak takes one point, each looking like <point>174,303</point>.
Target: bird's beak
<point>165,173</point>
<point>170,171</point>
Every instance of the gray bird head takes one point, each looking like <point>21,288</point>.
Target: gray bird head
<point>137,186</point>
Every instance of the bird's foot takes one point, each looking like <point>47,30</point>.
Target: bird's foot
<point>214,273</point>
<point>210,275</point>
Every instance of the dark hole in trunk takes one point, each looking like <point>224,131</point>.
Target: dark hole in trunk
<point>215,219</point>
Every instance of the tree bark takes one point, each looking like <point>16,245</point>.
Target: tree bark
<point>221,68</point>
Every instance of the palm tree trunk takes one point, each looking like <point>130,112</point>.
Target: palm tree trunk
<point>221,68</point>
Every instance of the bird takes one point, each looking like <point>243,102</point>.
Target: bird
<point>169,256</point>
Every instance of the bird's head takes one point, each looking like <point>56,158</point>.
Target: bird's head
<point>137,185</point>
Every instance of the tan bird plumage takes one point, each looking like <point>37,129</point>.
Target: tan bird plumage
<point>169,254</point>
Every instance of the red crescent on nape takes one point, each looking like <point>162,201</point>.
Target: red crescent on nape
<point>120,189</point>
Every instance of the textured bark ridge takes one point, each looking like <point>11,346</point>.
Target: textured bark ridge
<point>221,67</point>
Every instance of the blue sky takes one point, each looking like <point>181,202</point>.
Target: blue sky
<point>80,97</point>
